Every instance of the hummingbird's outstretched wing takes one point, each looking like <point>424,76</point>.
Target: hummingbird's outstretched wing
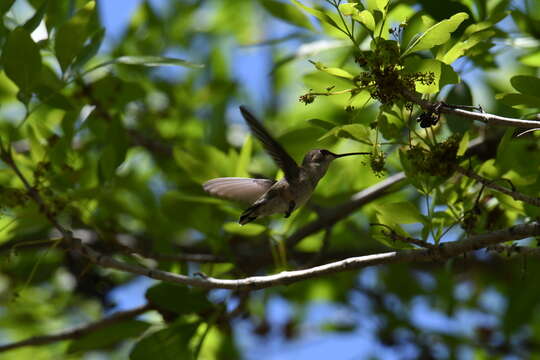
<point>239,189</point>
<point>278,153</point>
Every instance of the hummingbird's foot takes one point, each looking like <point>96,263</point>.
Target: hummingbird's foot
<point>292,205</point>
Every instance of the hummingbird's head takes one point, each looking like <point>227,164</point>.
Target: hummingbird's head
<point>323,157</point>
<point>318,157</point>
<point>318,160</point>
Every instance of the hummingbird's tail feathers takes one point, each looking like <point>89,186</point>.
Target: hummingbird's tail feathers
<point>248,215</point>
<point>238,189</point>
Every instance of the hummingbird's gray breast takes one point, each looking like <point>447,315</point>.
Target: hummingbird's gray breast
<point>279,197</point>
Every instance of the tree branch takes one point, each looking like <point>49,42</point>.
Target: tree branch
<point>490,184</point>
<point>186,257</point>
<point>516,250</point>
<point>442,252</point>
<point>486,118</point>
<point>339,212</point>
<point>79,331</point>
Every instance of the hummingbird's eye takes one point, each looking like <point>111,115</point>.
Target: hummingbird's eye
<point>325,152</point>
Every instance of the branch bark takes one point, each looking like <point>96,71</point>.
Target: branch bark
<point>79,331</point>
<point>486,118</point>
<point>442,252</point>
<point>490,184</point>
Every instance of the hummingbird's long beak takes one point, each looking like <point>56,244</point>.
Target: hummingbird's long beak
<point>348,154</point>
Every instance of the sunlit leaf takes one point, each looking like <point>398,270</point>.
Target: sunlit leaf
<point>400,212</point>
<point>366,18</point>
<point>460,47</point>
<point>463,144</point>
<point>327,125</point>
<point>357,132</point>
<point>287,12</point>
<point>436,34</point>
<point>250,229</point>
<point>379,5</point>
<point>321,15</point>
<point>244,158</point>
<point>332,70</point>
<point>348,9</point>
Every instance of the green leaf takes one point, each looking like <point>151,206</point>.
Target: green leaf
<point>481,26</point>
<point>108,336</point>
<point>401,213</point>
<point>525,84</point>
<point>287,13</point>
<point>327,125</point>
<point>114,152</point>
<point>155,61</point>
<point>53,98</point>
<point>178,299</point>
<point>459,94</point>
<point>463,145</point>
<point>244,230</point>
<point>448,56</point>
<point>379,5</point>
<point>91,49</point>
<point>348,9</point>
<point>22,60</point>
<point>504,144</point>
<point>390,124</point>
<point>436,35</point>
<point>5,5</point>
<point>357,132</point>
<point>366,18</point>
<point>244,158</point>
<point>72,35</point>
<point>443,73</point>
<point>519,101</point>
<point>381,233</point>
<point>32,23</point>
<point>332,71</point>
<point>321,15</point>
<point>204,162</point>
<point>532,59</point>
<point>171,343</point>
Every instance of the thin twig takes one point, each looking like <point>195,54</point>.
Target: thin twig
<point>199,258</point>
<point>486,118</point>
<point>490,184</point>
<point>78,332</point>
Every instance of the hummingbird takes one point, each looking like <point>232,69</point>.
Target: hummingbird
<point>268,197</point>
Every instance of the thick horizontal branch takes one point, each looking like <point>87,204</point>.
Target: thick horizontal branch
<point>486,118</point>
<point>490,184</point>
<point>442,252</point>
<point>79,331</point>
